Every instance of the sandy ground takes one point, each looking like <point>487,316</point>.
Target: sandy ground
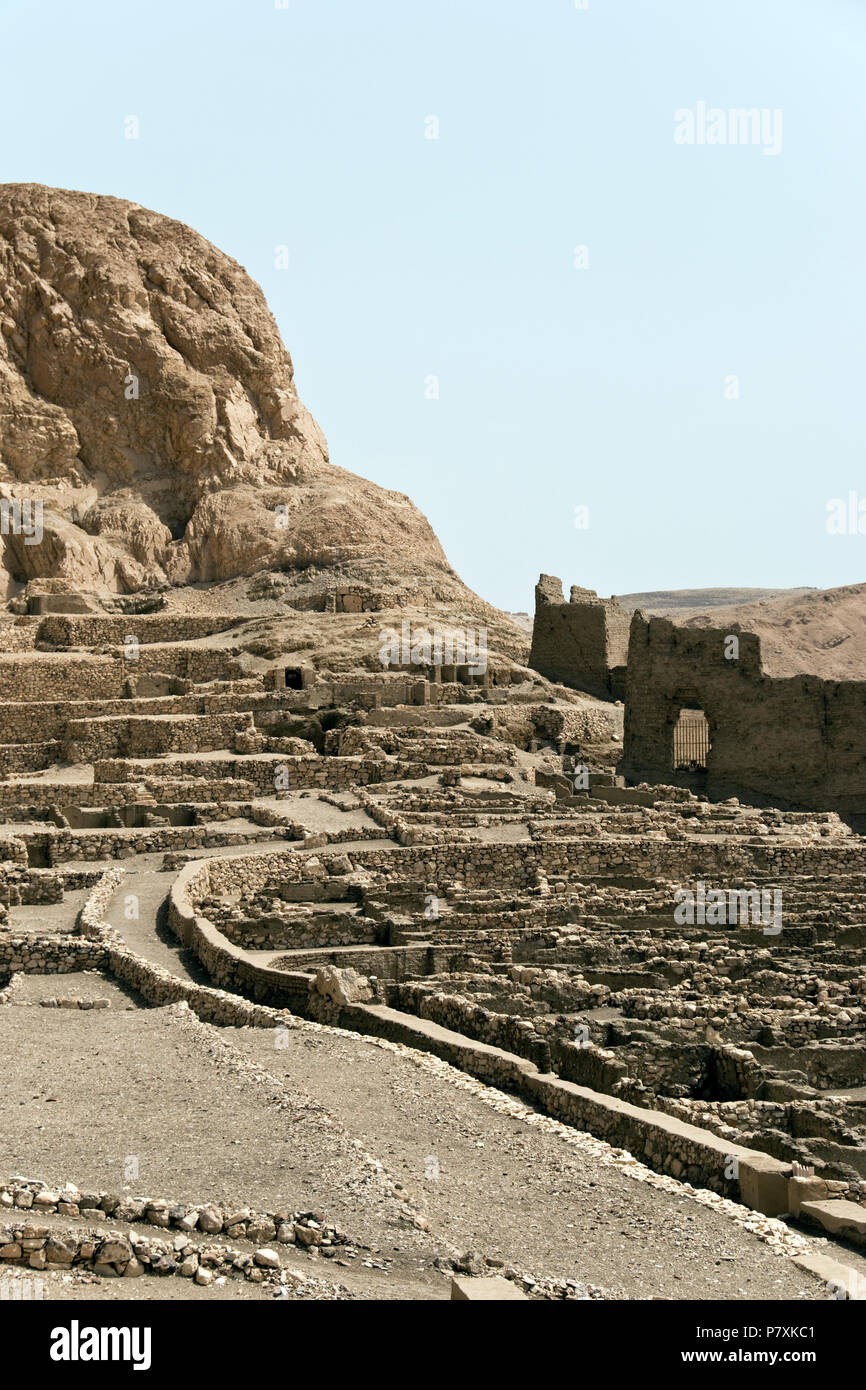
<point>99,1088</point>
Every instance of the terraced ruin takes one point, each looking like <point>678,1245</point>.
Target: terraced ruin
<point>353,946</point>
<point>214,852</point>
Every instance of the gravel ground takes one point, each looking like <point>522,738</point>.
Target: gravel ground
<point>365,1131</point>
<point>78,984</point>
<point>521,1195</point>
<point>87,1090</point>
<point>49,918</point>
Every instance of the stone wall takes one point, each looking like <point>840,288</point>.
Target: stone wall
<point>142,736</point>
<point>67,845</point>
<point>659,1140</point>
<point>50,955</point>
<point>796,741</point>
<point>94,630</point>
<point>479,865</point>
<point>51,676</point>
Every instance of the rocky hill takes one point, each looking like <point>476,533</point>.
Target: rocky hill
<point>148,403</point>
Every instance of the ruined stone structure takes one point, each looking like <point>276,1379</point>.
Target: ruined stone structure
<point>250,846</point>
<point>582,643</point>
<point>796,742</point>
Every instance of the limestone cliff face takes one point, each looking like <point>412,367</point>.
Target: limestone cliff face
<point>148,402</point>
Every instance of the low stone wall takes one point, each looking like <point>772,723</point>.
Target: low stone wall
<point>500,1030</point>
<point>125,844</point>
<point>96,630</point>
<point>661,1141</point>
<point>227,1219</point>
<point>89,921</point>
<point>33,888</point>
<point>50,955</point>
<point>160,987</point>
<point>478,865</point>
<point>335,774</point>
<point>587,1065</point>
<point>142,736</point>
<point>318,930</point>
<point>111,1253</point>
<point>13,850</point>
<point>38,676</point>
<point>29,800</point>
<point>44,721</point>
<point>28,757</point>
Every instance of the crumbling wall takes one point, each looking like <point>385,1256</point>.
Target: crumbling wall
<point>794,741</point>
<point>580,642</point>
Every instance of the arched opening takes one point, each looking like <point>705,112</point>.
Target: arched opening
<point>294,678</point>
<point>691,741</point>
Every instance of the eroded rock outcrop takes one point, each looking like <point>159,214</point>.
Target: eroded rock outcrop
<point>147,401</point>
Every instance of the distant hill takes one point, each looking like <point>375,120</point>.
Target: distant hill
<point>662,601</point>
<point>819,631</point>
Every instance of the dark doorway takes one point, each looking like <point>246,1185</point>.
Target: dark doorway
<point>294,678</point>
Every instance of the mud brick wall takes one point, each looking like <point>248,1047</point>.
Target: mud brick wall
<point>796,741</point>
<point>579,642</point>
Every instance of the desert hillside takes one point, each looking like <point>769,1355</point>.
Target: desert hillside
<point>671,603</point>
<point>148,404</point>
<point>820,631</point>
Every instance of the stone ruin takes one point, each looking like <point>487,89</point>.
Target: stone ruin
<point>428,848</point>
<point>700,710</point>
<point>616,890</point>
<point>583,643</point>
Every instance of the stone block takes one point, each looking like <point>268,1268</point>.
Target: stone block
<point>806,1189</point>
<point>845,1281</point>
<point>838,1217</point>
<point>764,1184</point>
<point>493,1289</point>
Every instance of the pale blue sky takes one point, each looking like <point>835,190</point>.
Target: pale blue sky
<point>559,387</point>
